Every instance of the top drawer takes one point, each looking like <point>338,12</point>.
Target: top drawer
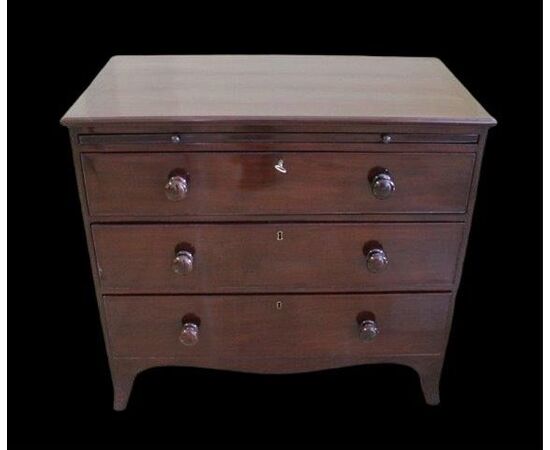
<point>187,183</point>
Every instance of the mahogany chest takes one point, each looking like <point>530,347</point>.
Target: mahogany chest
<point>276,214</point>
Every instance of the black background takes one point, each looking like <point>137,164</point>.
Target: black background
<point>60,388</point>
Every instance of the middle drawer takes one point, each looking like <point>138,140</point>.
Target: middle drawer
<point>285,257</point>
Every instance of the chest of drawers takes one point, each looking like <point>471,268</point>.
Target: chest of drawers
<point>276,214</point>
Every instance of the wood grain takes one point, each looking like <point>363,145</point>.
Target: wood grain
<point>233,114</point>
<point>176,88</point>
<point>250,333</point>
<point>250,258</point>
<point>248,184</point>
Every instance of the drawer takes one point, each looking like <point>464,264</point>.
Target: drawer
<point>128,184</point>
<point>270,330</point>
<point>280,257</point>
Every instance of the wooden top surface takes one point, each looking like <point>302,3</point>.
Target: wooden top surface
<point>233,87</point>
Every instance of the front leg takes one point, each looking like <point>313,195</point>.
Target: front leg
<point>123,374</point>
<point>429,371</point>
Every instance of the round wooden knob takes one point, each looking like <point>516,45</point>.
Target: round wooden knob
<point>382,185</point>
<point>183,262</point>
<point>189,334</point>
<point>368,330</point>
<point>376,260</point>
<point>176,188</point>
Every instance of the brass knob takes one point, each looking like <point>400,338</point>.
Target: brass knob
<point>189,334</point>
<point>177,187</point>
<point>377,260</point>
<point>382,185</point>
<point>183,262</point>
<point>368,330</point>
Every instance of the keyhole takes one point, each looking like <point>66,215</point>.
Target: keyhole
<point>279,305</point>
<point>279,235</point>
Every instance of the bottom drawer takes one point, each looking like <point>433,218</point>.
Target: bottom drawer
<point>273,333</point>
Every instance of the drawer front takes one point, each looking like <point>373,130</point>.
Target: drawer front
<point>276,257</point>
<point>270,329</point>
<point>127,184</point>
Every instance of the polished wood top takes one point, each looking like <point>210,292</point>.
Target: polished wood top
<point>241,87</point>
